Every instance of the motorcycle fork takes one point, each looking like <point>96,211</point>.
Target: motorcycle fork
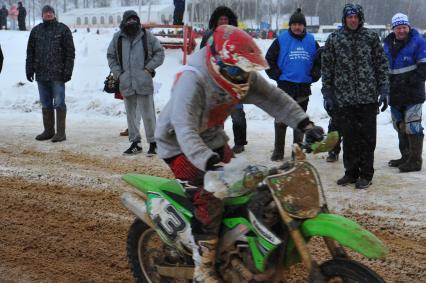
<point>300,243</point>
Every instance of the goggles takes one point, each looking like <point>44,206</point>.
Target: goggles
<point>233,73</point>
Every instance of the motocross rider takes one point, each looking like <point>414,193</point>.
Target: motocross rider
<point>190,134</point>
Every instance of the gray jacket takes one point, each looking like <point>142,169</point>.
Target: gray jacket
<point>188,123</point>
<point>134,79</point>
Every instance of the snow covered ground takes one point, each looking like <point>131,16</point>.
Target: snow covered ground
<point>95,119</point>
<point>87,103</point>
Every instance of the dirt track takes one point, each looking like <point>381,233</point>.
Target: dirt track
<point>62,221</point>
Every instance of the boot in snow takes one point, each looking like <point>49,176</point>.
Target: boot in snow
<point>61,114</point>
<point>204,260</point>
<point>403,148</point>
<point>414,161</point>
<point>124,133</point>
<point>48,123</point>
<point>151,150</point>
<point>280,130</point>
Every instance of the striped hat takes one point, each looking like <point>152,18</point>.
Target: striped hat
<point>400,19</point>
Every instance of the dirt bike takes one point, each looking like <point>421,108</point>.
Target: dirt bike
<point>264,230</point>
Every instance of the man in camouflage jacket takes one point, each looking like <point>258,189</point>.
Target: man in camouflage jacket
<point>354,75</point>
<point>50,57</point>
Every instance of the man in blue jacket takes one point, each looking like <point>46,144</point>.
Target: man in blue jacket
<point>291,61</point>
<point>406,52</point>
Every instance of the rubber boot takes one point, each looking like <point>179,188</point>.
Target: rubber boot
<point>48,123</point>
<point>403,148</point>
<point>61,114</point>
<point>414,162</point>
<point>280,130</point>
<point>152,148</point>
<point>204,261</point>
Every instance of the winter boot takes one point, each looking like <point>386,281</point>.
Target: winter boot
<point>280,130</point>
<point>124,133</point>
<point>414,161</point>
<point>332,157</point>
<point>151,150</point>
<point>204,260</point>
<point>61,114</point>
<point>403,148</point>
<point>48,123</point>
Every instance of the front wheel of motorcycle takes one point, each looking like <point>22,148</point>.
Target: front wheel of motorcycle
<point>145,251</point>
<point>348,271</point>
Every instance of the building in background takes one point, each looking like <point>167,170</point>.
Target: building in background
<point>111,16</point>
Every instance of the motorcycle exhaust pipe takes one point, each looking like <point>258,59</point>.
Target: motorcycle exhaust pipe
<point>137,205</point>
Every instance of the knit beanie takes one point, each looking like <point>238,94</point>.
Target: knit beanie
<point>400,19</point>
<point>47,8</point>
<point>297,18</point>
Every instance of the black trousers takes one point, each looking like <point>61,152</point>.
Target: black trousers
<point>358,127</point>
<point>21,24</point>
<point>332,126</point>
<point>178,17</point>
<point>297,134</point>
<point>239,125</point>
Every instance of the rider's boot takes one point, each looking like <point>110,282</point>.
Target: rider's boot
<point>204,261</point>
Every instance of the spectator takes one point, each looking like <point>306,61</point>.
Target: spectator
<point>406,52</point>
<point>1,60</point>
<point>50,56</point>
<point>179,11</point>
<point>3,17</point>
<point>291,59</point>
<point>21,16</point>
<point>13,16</point>
<point>223,15</point>
<point>354,74</point>
<point>133,55</point>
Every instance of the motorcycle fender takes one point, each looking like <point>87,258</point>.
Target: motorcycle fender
<point>347,232</point>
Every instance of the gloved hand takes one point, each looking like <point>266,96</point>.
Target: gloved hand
<point>212,163</point>
<point>30,77</point>
<point>314,134</point>
<point>384,98</point>
<point>328,101</point>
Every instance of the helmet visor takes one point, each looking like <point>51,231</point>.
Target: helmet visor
<point>234,74</point>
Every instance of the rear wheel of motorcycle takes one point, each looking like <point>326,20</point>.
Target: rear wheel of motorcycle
<point>348,271</point>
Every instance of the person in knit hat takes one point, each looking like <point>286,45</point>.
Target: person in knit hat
<point>406,52</point>
<point>291,60</point>
<point>50,61</point>
<point>355,83</point>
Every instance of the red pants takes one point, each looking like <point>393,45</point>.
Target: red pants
<point>208,209</point>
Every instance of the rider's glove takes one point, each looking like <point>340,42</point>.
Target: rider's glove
<point>212,163</point>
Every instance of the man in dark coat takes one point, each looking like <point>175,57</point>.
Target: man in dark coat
<point>3,17</point>
<point>50,57</point>
<point>21,16</point>
<point>406,52</point>
<point>354,75</point>
<point>178,13</point>
<point>223,15</point>
<point>291,64</point>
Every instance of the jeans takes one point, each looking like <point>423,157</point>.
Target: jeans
<point>52,94</point>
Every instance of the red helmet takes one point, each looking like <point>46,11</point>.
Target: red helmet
<point>231,55</point>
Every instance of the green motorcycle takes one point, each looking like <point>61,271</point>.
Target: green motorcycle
<point>264,231</point>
